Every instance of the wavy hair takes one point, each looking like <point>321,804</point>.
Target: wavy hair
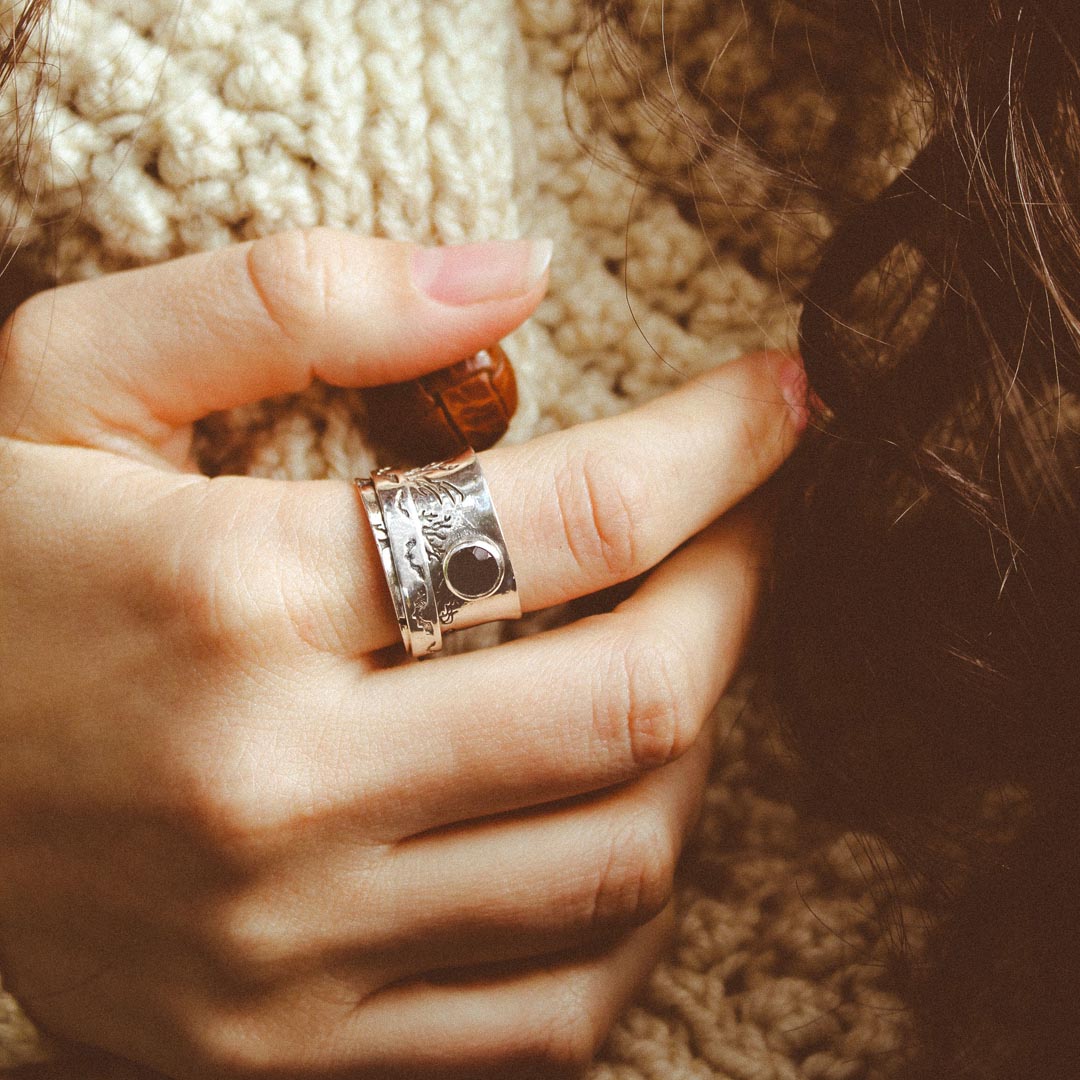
<point>19,22</point>
<point>922,633</point>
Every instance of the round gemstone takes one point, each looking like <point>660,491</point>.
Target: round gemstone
<point>473,571</point>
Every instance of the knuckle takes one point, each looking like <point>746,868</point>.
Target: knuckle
<point>600,505</point>
<point>217,817</point>
<point>229,1045</point>
<point>649,691</point>
<point>231,799</point>
<point>292,276</point>
<point>211,608</point>
<point>565,1039</point>
<point>223,580</point>
<point>635,880</point>
<point>243,938</point>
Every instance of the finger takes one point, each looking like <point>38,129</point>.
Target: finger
<point>549,1022</point>
<point>147,351</point>
<point>542,1020</point>
<point>506,888</point>
<point>553,878</point>
<point>591,508</point>
<point>545,717</point>
<point>541,718</point>
<point>581,510</point>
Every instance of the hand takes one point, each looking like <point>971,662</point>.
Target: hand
<point>239,841</point>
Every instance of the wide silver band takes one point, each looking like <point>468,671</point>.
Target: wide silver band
<point>406,543</point>
<point>374,515</point>
<point>442,549</point>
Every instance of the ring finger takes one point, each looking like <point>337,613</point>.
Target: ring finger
<point>582,509</point>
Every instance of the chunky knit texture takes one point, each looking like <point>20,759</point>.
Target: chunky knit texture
<point>164,128</point>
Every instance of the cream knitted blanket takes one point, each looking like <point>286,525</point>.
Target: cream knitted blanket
<point>166,127</point>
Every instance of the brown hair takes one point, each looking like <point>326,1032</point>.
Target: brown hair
<point>16,282</point>
<point>922,634</point>
<point>12,49</point>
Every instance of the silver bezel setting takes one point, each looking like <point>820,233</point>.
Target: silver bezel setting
<point>485,545</point>
<point>422,518</point>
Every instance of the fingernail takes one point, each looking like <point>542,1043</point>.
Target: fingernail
<point>794,386</point>
<point>473,273</point>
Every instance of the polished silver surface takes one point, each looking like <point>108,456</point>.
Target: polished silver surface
<point>456,516</point>
<point>405,540</point>
<point>442,550</point>
<point>374,515</point>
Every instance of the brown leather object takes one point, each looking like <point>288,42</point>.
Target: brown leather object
<point>434,417</point>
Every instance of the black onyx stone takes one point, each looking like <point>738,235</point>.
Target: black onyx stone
<point>473,572</point>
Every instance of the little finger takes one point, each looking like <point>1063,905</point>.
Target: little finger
<point>532,1022</point>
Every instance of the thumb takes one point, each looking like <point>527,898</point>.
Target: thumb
<point>148,351</point>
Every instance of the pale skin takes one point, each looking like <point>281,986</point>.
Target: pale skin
<point>243,837</point>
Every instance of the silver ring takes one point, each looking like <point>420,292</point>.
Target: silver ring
<point>442,550</point>
<point>406,544</point>
<point>374,515</point>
